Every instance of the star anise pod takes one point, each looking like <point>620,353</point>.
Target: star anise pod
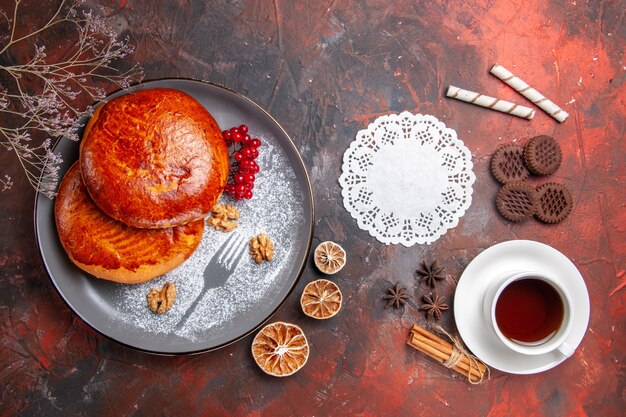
<point>431,273</point>
<point>397,296</point>
<point>433,305</point>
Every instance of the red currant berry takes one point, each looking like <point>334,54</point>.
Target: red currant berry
<point>248,178</point>
<point>240,189</point>
<point>239,178</point>
<point>254,152</point>
<point>238,197</point>
<point>227,135</point>
<point>247,141</point>
<point>246,152</point>
<point>255,169</point>
<point>238,156</point>
<point>237,137</point>
<point>234,130</point>
<point>243,167</point>
<point>230,189</point>
<point>256,143</point>
<point>243,129</point>
<point>248,195</point>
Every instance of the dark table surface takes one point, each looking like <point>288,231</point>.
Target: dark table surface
<point>325,70</point>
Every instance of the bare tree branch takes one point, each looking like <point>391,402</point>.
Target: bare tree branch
<point>42,98</point>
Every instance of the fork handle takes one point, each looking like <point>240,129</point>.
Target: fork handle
<point>191,309</point>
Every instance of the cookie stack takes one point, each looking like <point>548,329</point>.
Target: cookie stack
<point>152,165</point>
<point>518,199</point>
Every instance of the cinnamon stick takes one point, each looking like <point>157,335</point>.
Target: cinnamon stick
<point>441,351</point>
<point>462,368</point>
<point>445,347</point>
<point>425,333</point>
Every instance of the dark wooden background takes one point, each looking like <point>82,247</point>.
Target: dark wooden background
<point>324,70</point>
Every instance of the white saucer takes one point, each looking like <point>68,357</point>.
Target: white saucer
<point>515,256</point>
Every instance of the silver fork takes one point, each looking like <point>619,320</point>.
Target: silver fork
<point>219,269</point>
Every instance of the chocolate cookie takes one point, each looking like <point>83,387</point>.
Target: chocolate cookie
<point>542,155</point>
<point>555,202</point>
<point>507,164</point>
<point>517,201</point>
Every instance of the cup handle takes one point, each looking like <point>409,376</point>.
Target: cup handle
<point>566,350</point>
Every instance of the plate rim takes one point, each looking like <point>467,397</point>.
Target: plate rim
<point>309,191</point>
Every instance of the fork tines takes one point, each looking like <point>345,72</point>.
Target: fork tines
<point>231,251</point>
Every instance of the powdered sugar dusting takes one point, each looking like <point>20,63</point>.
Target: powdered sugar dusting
<point>277,210</point>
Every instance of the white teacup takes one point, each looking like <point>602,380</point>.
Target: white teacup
<point>554,342</point>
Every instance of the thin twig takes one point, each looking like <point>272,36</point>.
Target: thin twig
<point>43,99</point>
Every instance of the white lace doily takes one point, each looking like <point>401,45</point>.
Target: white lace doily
<point>407,179</point>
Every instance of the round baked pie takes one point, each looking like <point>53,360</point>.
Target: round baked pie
<point>154,158</point>
<point>110,249</point>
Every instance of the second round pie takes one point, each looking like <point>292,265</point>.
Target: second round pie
<point>110,249</point>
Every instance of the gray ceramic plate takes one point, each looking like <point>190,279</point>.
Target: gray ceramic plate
<point>246,294</point>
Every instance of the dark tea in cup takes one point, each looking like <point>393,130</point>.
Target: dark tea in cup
<point>529,311</point>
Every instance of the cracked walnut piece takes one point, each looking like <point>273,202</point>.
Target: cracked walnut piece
<point>223,216</point>
<point>261,248</point>
<point>225,211</point>
<point>223,225</point>
<point>161,300</point>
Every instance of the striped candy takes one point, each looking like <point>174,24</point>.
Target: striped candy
<point>490,102</point>
<point>530,93</point>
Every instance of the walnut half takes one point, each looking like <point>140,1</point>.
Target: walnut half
<point>161,300</point>
<point>223,216</point>
<point>223,225</point>
<point>261,248</point>
<point>225,211</point>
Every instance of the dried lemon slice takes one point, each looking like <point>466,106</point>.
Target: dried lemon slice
<point>321,299</point>
<point>280,349</point>
<point>329,257</point>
